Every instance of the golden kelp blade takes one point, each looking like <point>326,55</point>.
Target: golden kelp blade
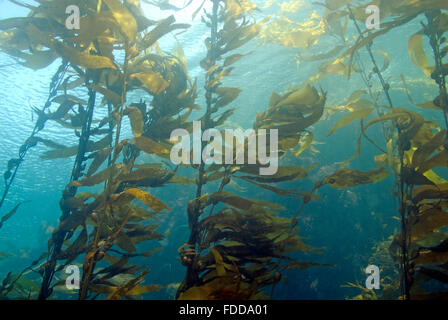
<point>240,202</point>
<point>111,96</point>
<point>147,198</point>
<point>98,158</point>
<point>306,96</point>
<point>219,262</point>
<point>136,118</point>
<point>163,27</point>
<point>237,7</point>
<point>226,95</point>
<point>358,114</point>
<point>417,53</point>
<point>308,140</point>
<point>82,58</point>
<point>9,214</point>
<point>429,221</point>
<point>344,178</point>
<point>124,18</point>
<point>99,177</point>
<point>153,81</point>
<point>148,145</point>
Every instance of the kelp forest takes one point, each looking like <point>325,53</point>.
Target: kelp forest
<point>351,107</point>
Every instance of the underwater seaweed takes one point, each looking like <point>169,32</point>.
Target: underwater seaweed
<point>414,145</point>
<point>238,246</point>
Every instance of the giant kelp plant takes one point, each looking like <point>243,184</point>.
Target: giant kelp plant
<point>231,253</point>
<point>244,240</point>
<point>414,148</point>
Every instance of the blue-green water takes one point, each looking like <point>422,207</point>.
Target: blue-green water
<point>346,224</point>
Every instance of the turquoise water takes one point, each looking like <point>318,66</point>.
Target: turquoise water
<point>347,224</point>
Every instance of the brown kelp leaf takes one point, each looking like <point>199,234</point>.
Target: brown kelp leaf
<point>429,221</point>
<point>9,214</point>
<point>235,8</point>
<point>330,54</point>
<point>163,27</point>
<point>49,143</point>
<point>147,198</point>
<point>93,26</point>
<point>152,80</point>
<point>439,160</point>
<point>417,53</point>
<point>234,58</point>
<point>182,180</point>
<point>219,262</point>
<point>110,95</point>
<point>148,145</point>
<point>305,96</point>
<point>4,255</point>
<point>226,95</point>
<point>62,110</point>
<point>71,151</point>
<point>136,118</point>
<point>425,151</point>
<point>60,153</point>
<point>358,114</point>
<point>125,289</point>
<point>64,97</point>
<point>75,248</point>
<point>143,289</point>
<point>125,243</point>
<point>213,82</point>
<point>220,288</point>
<point>282,192</point>
<point>118,265</point>
<point>305,144</point>
<point>413,177</point>
<point>240,202</point>
<point>98,158</point>
<point>136,290</point>
<point>428,105</point>
<point>147,176</point>
<point>284,173</point>
<point>76,219</point>
<point>124,18</point>
<point>99,177</point>
<point>430,257</point>
<point>394,114</point>
<point>39,59</point>
<point>345,177</point>
<point>82,58</point>
<point>435,274</point>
